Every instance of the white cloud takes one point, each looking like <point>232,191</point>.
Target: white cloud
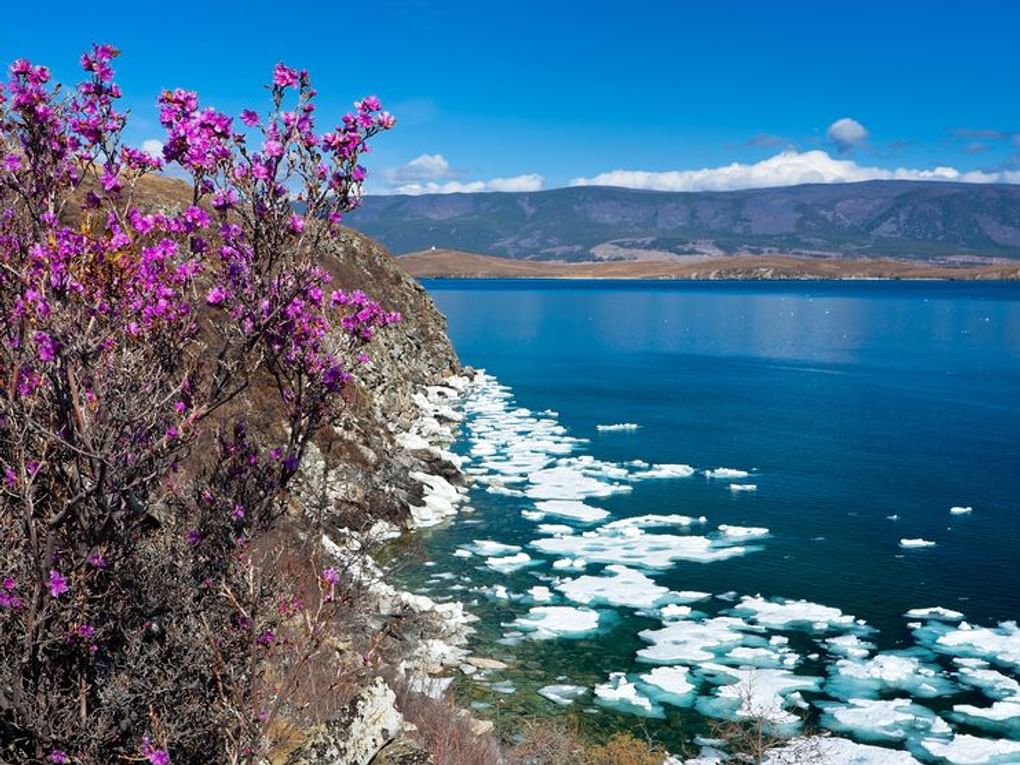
<point>427,167</point>
<point>526,182</point>
<point>847,133</point>
<point>788,168</point>
<point>153,147</point>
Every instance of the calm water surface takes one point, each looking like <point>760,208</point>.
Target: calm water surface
<point>852,402</point>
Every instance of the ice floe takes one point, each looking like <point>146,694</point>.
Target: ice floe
<point>617,586</point>
<point>691,642</point>
<point>669,685</point>
<point>738,487</point>
<point>562,695</point>
<point>935,612</point>
<point>618,426</point>
<point>887,720</point>
<point>832,750</point>
<point>958,510</point>
<point>964,749</point>
<point>510,563</point>
<point>766,694</point>
<point>909,544</point>
<point>1002,717</point>
<point>548,622</point>
<point>619,693</point>
<point>784,614</point>
<point>571,509</point>
<point>901,670</point>
<point>726,473</point>
<point>998,645</point>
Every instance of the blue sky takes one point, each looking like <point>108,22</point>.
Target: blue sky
<point>542,94</point>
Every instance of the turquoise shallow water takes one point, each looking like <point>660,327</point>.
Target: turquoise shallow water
<point>850,403</point>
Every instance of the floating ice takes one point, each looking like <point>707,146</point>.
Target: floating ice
<point>554,528</point>
<point>487,547</point>
<point>439,500</point>
<point>784,614</point>
<point>725,472</point>
<point>1002,717</point>
<point>961,510</point>
<point>572,509</point>
<point>669,685</point>
<point>510,563</point>
<point>618,586</point>
<point>882,720</point>
<point>547,622</point>
<point>832,750</point>
<point>850,646</point>
<point>963,749</point>
<point>618,426</point>
<point>650,522</point>
<point>990,682</point>
<point>743,487</point>
<point>569,482</point>
<point>632,546</point>
<point>935,612</point>
<point>689,642</point>
<point>621,694</point>
<point>540,594</point>
<point>672,612</point>
<point>665,471</point>
<point>574,564</point>
<point>755,693</point>
<point>887,671</point>
<point>742,532</point>
<point>908,544</point>
<point>999,645</point>
<point>463,554</point>
<point>562,695</point>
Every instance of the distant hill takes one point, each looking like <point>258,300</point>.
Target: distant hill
<point>466,265</point>
<point>901,219</point>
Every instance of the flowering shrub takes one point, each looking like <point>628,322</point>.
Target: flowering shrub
<point>134,498</point>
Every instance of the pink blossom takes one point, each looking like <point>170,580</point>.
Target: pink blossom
<point>58,584</point>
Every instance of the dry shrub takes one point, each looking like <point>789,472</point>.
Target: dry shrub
<point>447,732</point>
<point>559,742</point>
<point>625,749</point>
<point>547,741</point>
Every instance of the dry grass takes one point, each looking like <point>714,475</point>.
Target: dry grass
<point>447,732</point>
<point>559,742</point>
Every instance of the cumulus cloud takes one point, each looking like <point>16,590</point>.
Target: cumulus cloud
<point>788,168</point>
<point>846,133</point>
<point>427,167</point>
<point>526,182</point>
<point>153,147</point>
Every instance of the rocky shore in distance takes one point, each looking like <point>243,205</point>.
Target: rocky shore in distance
<point>454,264</point>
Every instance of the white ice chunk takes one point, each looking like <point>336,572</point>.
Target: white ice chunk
<point>735,487</point>
<point>562,695</point>
<point>670,685</point>
<point>547,622</point>
<point>618,426</point>
<point>935,612</point>
<point>884,721</point>
<point>618,586</point>
<point>510,563</point>
<point>725,472</point>
<point>887,671</point>
<point>621,694</point>
<point>784,614</point>
<point>832,750</point>
<point>963,749</point>
<point>909,544</point>
<point>961,510</point>
<point>572,509</point>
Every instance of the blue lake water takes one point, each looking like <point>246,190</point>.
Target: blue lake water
<point>847,402</point>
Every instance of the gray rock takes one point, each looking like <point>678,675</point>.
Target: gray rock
<point>356,735</point>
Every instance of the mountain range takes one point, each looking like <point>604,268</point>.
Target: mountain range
<point>945,223</point>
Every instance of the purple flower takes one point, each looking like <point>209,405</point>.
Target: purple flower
<point>238,512</point>
<point>58,584</point>
<point>249,118</point>
<point>12,163</point>
<point>96,559</point>
<point>59,757</point>
<point>284,76</point>
<point>153,755</point>
<point>291,463</point>
<point>216,295</point>
<point>194,536</point>
<point>46,346</point>
<point>329,575</point>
